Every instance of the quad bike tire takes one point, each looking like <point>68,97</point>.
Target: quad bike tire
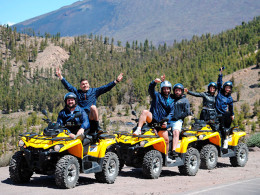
<point>152,164</point>
<point>67,172</point>
<point>110,169</point>
<point>241,157</point>
<point>18,169</point>
<point>209,157</point>
<point>191,164</point>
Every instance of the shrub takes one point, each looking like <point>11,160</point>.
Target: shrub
<point>254,140</point>
<point>5,159</point>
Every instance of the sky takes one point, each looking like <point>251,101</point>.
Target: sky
<point>15,11</point>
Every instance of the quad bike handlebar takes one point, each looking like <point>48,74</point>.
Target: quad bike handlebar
<point>158,125</point>
<point>54,129</point>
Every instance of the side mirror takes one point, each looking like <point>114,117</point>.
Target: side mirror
<point>133,113</point>
<point>45,112</point>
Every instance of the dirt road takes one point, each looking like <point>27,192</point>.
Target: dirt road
<point>131,181</point>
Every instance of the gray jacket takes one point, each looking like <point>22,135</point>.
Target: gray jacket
<point>208,100</point>
<point>181,107</point>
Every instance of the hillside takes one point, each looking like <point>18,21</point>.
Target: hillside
<point>28,85</point>
<point>29,62</point>
<point>158,21</point>
<point>248,78</point>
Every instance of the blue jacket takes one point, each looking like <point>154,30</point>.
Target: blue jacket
<point>223,103</point>
<point>65,116</point>
<point>161,107</point>
<point>181,107</point>
<point>89,98</point>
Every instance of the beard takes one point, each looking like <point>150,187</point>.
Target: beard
<point>165,94</point>
<point>71,105</point>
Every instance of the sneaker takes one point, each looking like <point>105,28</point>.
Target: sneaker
<point>169,160</point>
<point>137,132</point>
<point>225,145</point>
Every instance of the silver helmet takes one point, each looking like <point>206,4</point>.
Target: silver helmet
<point>166,84</point>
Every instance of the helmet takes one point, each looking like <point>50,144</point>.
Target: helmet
<point>70,95</point>
<point>228,83</point>
<point>178,86</point>
<point>166,84</point>
<point>213,84</point>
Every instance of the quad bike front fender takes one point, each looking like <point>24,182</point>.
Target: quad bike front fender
<point>158,144</point>
<point>183,145</point>
<point>213,138</point>
<point>74,147</point>
<point>99,149</point>
<point>235,138</point>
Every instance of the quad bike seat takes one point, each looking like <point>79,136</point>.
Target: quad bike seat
<point>198,124</point>
<point>106,136</point>
<point>146,127</point>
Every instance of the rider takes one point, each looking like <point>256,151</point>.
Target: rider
<point>162,107</point>
<point>87,97</point>
<point>181,110</point>
<point>66,116</point>
<point>224,106</point>
<point>208,112</point>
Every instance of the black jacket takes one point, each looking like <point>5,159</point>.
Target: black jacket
<point>208,112</point>
<point>208,99</point>
<point>181,107</point>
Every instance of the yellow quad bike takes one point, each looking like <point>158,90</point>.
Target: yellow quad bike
<point>53,152</point>
<point>149,151</point>
<point>210,145</point>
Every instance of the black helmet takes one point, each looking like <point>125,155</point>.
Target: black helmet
<point>178,86</point>
<point>228,83</point>
<point>213,84</point>
<point>166,84</point>
<point>70,95</point>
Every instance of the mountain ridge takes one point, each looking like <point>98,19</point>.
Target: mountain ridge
<point>158,21</point>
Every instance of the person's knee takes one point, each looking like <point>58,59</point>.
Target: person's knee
<point>93,114</point>
<point>146,115</point>
<point>145,112</point>
<point>93,108</point>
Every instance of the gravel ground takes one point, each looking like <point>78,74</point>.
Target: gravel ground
<point>131,181</point>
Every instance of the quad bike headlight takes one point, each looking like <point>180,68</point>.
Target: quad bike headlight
<point>201,137</point>
<point>58,147</point>
<point>142,143</point>
<point>21,143</point>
